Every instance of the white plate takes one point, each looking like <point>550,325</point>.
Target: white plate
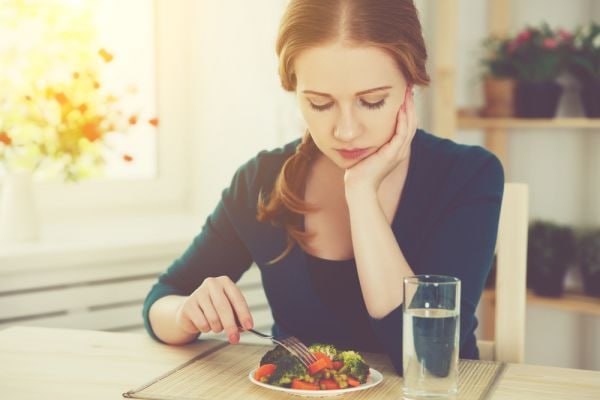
<point>374,379</point>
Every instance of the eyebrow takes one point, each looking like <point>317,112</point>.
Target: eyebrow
<point>363,92</point>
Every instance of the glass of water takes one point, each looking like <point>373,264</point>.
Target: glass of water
<point>431,330</point>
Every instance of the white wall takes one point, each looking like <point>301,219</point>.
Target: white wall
<point>235,89</point>
<point>562,338</point>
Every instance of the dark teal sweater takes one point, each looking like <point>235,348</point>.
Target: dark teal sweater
<point>446,224</point>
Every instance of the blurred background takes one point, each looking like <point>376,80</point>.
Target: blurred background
<point>122,122</point>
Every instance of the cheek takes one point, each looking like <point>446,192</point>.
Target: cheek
<point>319,123</point>
<point>382,124</point>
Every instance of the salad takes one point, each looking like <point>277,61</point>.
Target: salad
<point>333,369</point>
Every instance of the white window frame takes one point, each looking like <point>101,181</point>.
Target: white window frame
<point>167,192</point>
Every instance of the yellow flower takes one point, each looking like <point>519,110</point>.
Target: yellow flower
<point>54,109</point>
<point>24,157</point>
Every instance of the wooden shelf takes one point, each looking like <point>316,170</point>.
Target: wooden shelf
<point>474,122</point>
<point>568,302</point>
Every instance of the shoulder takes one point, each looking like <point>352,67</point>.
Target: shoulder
<point>258,174</point>
<point>457,167</point>
<point>449,154</point>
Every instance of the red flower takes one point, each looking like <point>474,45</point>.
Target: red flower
<point>153,121</point>
<point>61,98</point>
<point>565,36</point>
<point>90,131</point>
<point>127,158</point>
<point>133,120</point>
<point>550,43</point>
<point>524,36</point>
<point>4,138</point>
<point>519,40</point>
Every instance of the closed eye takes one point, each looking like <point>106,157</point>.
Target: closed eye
<point>373,106</point>
<point>327,106</point>
<point>320,107</point>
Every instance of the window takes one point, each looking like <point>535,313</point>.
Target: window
<point>140,49</point>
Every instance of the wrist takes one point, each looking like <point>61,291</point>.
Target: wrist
<point>361,197</point>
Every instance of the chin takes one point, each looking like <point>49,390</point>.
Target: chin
<point>343,163</point>
<point>346,164</point>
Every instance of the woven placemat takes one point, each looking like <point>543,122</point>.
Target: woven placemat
<point>222,373</point>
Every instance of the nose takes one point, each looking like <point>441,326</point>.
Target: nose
<point>346,127</point>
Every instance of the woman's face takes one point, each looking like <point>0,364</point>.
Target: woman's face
<point>349,97</point>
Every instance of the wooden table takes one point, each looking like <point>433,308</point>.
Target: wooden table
<point>43,363</point>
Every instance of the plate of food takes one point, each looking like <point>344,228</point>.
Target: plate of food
<point>334,373</point>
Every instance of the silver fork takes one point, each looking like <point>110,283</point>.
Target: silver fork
<point>291,344</point>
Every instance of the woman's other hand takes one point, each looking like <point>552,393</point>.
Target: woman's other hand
<point>370,172</point>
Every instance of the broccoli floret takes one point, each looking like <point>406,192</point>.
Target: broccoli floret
<point>273,355</point>
<point>327,349</point>
<point>288,368</point>
<point>354,365</point>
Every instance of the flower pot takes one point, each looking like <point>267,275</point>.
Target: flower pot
<point>499,97</point>
<point>537,100</point>
<point>18,213</point>
<point>589,262</point>
<point>550,251</point>
<point>590,98</point>
<point>591,285</point>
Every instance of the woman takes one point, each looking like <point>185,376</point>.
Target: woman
<point>336,220</point>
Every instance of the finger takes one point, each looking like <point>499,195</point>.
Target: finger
<point>207,307</point>
<point>239,304</point>
<point>392,146</point>
<point>197,317</point>
<point>185,321</point>
<point>396,137</point>
<point>225,312</point>
<point>411,117</point>
<point>411,112</point>
<point>404,123</point>
<point>402,114</point>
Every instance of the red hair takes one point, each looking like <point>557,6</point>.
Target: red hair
<point>392,25</point>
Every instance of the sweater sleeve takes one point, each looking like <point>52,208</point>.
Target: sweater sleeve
<point>216,251</point>
<point>461,244</point>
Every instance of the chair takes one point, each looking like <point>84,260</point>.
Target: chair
<point>510,299</point>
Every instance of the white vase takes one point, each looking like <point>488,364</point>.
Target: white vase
<point>19,221</point>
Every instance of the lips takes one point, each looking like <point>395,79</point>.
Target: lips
<point>352,154</point>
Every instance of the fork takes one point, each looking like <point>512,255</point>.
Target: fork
<point>291,344</point>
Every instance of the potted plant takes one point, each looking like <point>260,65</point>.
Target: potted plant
<point>551,249</point>
<point>498,82</point>
<point>589,261</point>
<point>538,55</point>
<point>584,64</point>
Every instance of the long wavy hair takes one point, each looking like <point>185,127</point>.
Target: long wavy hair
<point>392,25</point>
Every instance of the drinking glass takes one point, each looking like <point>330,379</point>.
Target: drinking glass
<point>431,328</point>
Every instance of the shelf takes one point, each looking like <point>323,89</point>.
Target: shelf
<point>475,122</point>
<point>567,302</point>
